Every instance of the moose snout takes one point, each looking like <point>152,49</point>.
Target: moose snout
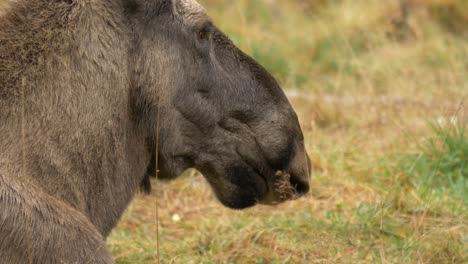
<point>292,181</point>
<point>299,171</point>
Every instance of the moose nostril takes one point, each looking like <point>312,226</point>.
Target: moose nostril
<point>301,186</point>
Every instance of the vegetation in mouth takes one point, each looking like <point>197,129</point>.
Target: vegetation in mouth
<point>283,186</point>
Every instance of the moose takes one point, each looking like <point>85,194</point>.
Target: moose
<point>96,95</point>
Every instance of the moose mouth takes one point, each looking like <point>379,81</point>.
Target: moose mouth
<point>280,185</point>
<point>261,176</point>
<point>248,181</point>
<point>246,177</point>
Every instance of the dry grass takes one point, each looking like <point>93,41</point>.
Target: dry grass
<point>365,99</point>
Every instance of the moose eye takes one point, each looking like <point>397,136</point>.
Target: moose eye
<point>205,32</point>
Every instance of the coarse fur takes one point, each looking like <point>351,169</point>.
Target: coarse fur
<point>81,85</point>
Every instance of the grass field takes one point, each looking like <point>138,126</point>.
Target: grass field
<point>382,101</point>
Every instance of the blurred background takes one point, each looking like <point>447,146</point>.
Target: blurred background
<point>381,90</point>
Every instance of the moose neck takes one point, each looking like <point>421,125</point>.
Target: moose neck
<point>76,127</point>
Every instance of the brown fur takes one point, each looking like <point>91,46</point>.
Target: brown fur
<point>78,153</point>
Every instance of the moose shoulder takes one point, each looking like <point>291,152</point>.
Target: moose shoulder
<point>82,84</point>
